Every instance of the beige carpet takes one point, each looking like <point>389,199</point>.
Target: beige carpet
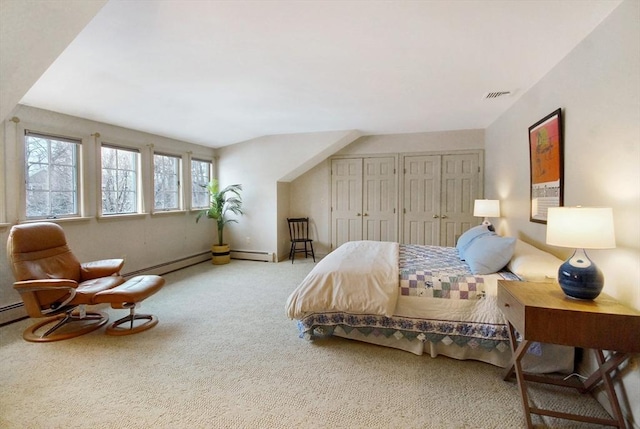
<point>224,355</point>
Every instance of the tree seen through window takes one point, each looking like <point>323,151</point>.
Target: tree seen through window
<point>51,176</point>
<point>119,180</point>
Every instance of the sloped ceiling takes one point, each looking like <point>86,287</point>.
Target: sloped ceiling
<point>32,35</point>
<point>220,72</point>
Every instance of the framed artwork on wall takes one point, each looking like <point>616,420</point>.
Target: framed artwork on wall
<point>546,165</point>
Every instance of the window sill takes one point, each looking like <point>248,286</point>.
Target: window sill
<point>59,220</point>
<point>116,217</point>
<point>168,213</point>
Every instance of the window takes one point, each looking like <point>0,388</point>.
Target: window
<point>51,176</point>
<point>119,180</point>
<point>166,179</point>
<point>200,176</point>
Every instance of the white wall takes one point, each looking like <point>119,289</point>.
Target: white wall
<point>145,241</point>
<point>310,196</point>
<point>416,142</point>
<point>598,87</point>
<point>282,197</point>
<point>259,165</point>
<point>311,192</point>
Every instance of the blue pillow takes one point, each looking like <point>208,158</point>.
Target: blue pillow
<point>469,236</point>
<point>488,254</point>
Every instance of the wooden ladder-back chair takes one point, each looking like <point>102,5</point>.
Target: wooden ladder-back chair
<point>300,241</point>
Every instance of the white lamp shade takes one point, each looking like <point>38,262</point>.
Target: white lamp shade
<point>581,227</point>
<point>486,208</point>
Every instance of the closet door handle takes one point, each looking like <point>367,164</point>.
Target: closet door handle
<point>365,214</point>
<point>443,216</point>
<point>436,216</point>
<point>358,214</point>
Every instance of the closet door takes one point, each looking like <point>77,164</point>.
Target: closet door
<point>346,200</point>
<point>364,199</point>
<point>421,202</point>
<point>460,180</point>
<point>439,192</point>
<point>379,199</point>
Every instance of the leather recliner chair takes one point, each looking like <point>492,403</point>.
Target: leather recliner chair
<point>54,285</point>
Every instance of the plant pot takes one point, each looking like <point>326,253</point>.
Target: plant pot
<point>220,255</point>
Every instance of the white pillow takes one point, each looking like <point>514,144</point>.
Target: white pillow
<point>534,265</point>
<point>488,254</point>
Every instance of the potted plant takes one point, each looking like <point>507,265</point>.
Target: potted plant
<point>220,203</point>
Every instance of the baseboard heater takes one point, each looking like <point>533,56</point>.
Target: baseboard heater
<point>170,266</point>
<point>12,313</point>
<point>252,255</point>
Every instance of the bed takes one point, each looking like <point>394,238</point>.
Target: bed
<point>425,299</point>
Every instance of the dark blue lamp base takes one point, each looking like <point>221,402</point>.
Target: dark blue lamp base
<point>579,277</point>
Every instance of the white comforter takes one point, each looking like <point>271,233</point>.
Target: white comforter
<point>358,277</point>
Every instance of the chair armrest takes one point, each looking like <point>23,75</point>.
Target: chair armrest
<point>29,289</point>
<point>103,268</point>
<point>44,285</point>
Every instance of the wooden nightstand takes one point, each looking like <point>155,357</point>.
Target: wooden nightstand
<point>541,312</point>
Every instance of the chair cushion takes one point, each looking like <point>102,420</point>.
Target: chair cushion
<point>40,251</point>
<point>87,289</point>
<point>58,263</point>
<point>32,237</point>
<point>133,290</point>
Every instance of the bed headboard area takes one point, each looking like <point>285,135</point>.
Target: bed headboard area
<point>533,264</point>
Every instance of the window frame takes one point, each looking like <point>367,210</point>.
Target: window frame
<point>178,174</point>
<point>138,180</point>
<point>78,188</point>
<point>9,126</point>
<point>192,205</point>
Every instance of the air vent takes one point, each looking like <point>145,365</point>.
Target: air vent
<point>496,94</point>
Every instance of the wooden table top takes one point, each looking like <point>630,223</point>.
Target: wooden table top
<point>546,314</point>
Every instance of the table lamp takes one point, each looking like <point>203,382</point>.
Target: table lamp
<point>486,209</point>
<point>580,228</point>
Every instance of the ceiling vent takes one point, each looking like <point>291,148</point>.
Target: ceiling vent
<point>497,94</point>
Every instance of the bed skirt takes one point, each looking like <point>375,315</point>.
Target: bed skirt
<point>541,359</point>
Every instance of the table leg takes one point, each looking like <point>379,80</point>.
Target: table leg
<point>514,345</point>
<point>614,361</point>
<point>605,366</point>
<point>515,364</point>
<point>603,371</point>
